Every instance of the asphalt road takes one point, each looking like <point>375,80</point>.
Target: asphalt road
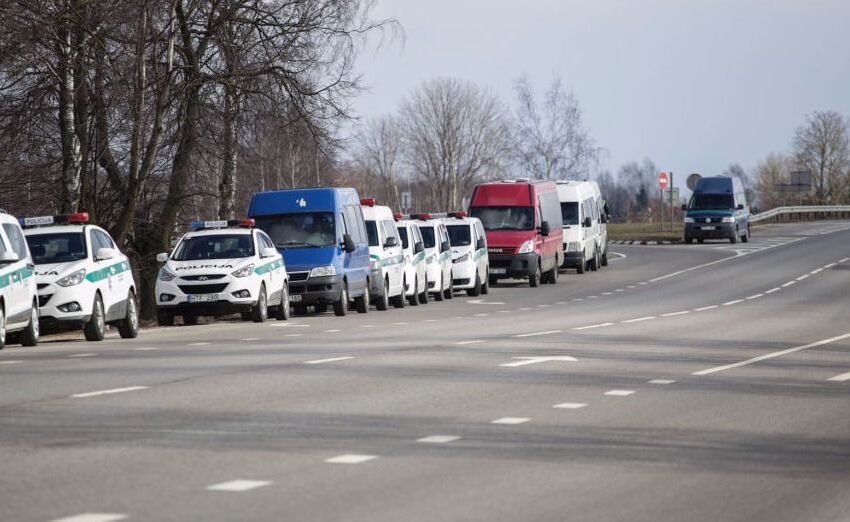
<point>700,383</point>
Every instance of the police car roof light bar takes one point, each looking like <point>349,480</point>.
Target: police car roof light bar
<point>425,216</point>
<point>398,216</point>
<point>222,223</point>
<point>367,202</point>
<point>76,218</point>
<point>459,214</point>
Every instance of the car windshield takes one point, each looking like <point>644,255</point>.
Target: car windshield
<point>402,232</point>
<point>57,248</point>
<point>427,236</point>
<point>459,235</point>
<point>301,230</point>
<point>711,202</point>
<point>505,218</point>
<point>372,232</point>
<point>569,213</point>
<point>223,246</point>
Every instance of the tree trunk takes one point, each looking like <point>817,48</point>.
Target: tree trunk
<point>227,185</point>
<point>71,156</point>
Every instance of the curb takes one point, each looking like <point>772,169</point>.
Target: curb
<point>642,242</point>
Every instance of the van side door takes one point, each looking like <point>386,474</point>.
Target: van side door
<point>19,278</point>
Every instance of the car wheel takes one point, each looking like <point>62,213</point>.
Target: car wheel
<point>362,302</point>
<point>553,275</point>
<point>475,290</point>
<point>341,306</point>
<point>423,297</point>
<point>414,299</point>
<point>384,302</point>
<point>450,292</point>
<point>734,238</point>
<point>605,257</point>
<point>594,263</point>
<point>95,329</point>
<point>440,295</point>
<point>399,300</point>
<point>2,327</point>
<point>128,328</point>
<point>260,311</point>
<point>164,318</point>
<point>582,264</point>
<point>534,277</point>
<point>284,311</point>
<point>746,237</point>
<point>29,337</point>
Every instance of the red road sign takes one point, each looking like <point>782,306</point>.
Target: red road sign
<point>663,180</point>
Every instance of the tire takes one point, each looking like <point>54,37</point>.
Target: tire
<point>424,296</point>
<point>534,277</point>
<point>492,280</point>
<point>29,337</point>
<point>341,306</point>
<point>95,329</point>
<point>399,301</point>
<point>475,291</point>
<point>128,328</point>
<point>605,257</point>
<point>260,312</point>
<point>746,237</point>
<point>594,263</point>
<point>689,240</point>
<point>439,296</point>
<point>414,300</point>
<point>384,302</point>
<point>164,318</point>
<point>450,292</point>
<point>191,319</point>
<point>485,286</point>
<point>734,238</point>
<point>581,266</point>
<point>552,279</point>
<point>284,311</point>
<point>361,304</point>
<point>2,327</point>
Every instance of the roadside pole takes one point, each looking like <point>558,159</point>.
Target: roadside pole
<point>672,209</point>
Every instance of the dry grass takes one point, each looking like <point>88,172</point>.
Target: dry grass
<point>645,232</point>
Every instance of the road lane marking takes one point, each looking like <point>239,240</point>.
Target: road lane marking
<point>570,405</point>
<point>108,392</point>
<point>525,361</point>
<point>830,265</point>
<point>639,319</point>
<point>607,293</point>
<point>83,355</point>
<point>771,355</point>
<point>662,381</point>
<point>434,320</point>
<point>476,341</point>
<point>292,325</point>
<point>367,326</point>
<point>504,311</point>
<point>239,486</point>
<point>674,314</point>
<point>525,308</point>
<point>93,517</point>
<point>704,308</point>
<point>536,334</point>
<point>542,306</point>
<point>332,330</point>
<point>350,458</point>
<point>844,260</point>
<point>593,297</point>
<point>198,344</point>
<point>754,297</point>
<point>293,335</point>
<point>643,283</point>
<point>146,349</point>
<point>578,299</point>
<point>250,339</point>
<point>11,362</point>
<point>620,290</point>
<point>631,286</point>
<point>402,324</point>
<point>561,303</point>
<point>772,290</point>
<point>789,283</point>
<point>840,378</point>
<point>482,315</point>
<point>332,359</point>
<point>736,301</point>
<point>438,439</point>
<point>816,271</point>
<point>619,393</point>
<point>802,277</point>
<point>600,325</point>
<point>510,420</point>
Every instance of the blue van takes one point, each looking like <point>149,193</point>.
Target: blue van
<point>322,236</point>
<point>717,210</point>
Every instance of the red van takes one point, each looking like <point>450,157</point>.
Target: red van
<point>522,219</point>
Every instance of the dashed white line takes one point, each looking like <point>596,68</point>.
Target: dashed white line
<point>771,355</point>
<point>593,297</point>
<point>367,326</point>
<point>736,301</point>
<point>662,381</point>
<point>600,325</point>
<point>578,299</point>
<point>250,339</point>
<point>542,306</point>
<point>11,362</point>
<point>350,458</point>
<point>631,286</point>
<point>772,290</point>
<point>525,308</point>
<point>841,377</point>
<point>332,359</point>
<point>830,265</point>
<point>198,344</point>
<point>802,277</point>
<point>402,324</point>
<point>704,308</point>
<point>431,320</point>
<point>607,293</point>
<point>476,341</point>
<point>332,330</point>
<point>561,303</point>
<point>239,486</point>
<point>570,405</point>
<point>438,439</point>
<point>510,420</point>
<point>93,517</point>
<point>536,334</point>
<point>293,335</point>
<point>643,283</point>
<point>108,392</point>
<point>146,349</point>
<point>481,315</point>
<point>639,319</point>
<point>789,283</point>
<point>504,311</point>
<point>619,393</point>
<point>816,271</point>
<point>674,314</point>
<point>83,355</point>
<point>620,290</point>
<point>844,260</point>
<point>756,296</point>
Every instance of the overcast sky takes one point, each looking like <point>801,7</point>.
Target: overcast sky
<point>694,84</point>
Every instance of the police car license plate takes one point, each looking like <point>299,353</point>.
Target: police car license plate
<point>498,270</point>
<point>709,228</point>
<point>294,298</point>
<point>202,298</point>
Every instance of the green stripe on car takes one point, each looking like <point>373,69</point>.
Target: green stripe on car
<point>15,276</point>
<point>268,267</point>
<point>103,273</point>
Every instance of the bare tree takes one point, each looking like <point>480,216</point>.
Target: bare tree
<point>379,155</point>
<point>770,175</point>
<point>822,146</point>
<point>455,134</point>
<point>551,140</point>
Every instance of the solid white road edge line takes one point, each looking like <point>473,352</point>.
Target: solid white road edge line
<point>771,355</point>
<point>108,392</point>
<point>332,359</point>
<point>593,326</point>
<point>535,334</point>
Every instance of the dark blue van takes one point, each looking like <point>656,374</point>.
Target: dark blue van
<point>322,236</point>
<point>717,210</point>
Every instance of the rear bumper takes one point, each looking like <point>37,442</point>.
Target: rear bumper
<point>513,266</point>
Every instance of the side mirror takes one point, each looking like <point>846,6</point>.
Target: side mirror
<point>418,247</point>
<point>480,244</point>
<point>587,223</point>
<point>104,254</point>
<point>684,208</point>
<point>392,241</point>
<point>348,243</point>
<point>162,257</point>
<point>445,246</point>
<point>544,228</point>
<point>740,206</point>
<point>268,252</point>
<point>9,257</point>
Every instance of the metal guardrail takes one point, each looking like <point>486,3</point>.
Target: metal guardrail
<point>811,210</point>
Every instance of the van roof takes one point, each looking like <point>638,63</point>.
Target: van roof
<point>717,185</point>
<point>299,200</point>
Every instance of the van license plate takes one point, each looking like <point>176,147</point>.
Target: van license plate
<point>709,228</point>
<point>498,270</point>
<point>294,298</point>
<point>202,298</point>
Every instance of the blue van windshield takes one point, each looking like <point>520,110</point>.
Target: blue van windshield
<point>301,230</point>
<point>711,202</point>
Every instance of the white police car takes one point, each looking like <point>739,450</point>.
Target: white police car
<point>18,299</point>
<point>83,279</point>
<point>413,249</point>
<point>385,255</point>
<point>438,256</point>
<point>222,267</point>
<point>469,253</point>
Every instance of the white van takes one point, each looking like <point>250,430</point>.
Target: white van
<point>470,262</point>
<point>415,274</point>
<point>438,255</point>
<point>386,259</point>
<point>584,222</point>
<point>18,298</point>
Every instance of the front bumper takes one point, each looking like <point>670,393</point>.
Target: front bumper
<point>518,266</point>
<point>712,231</point>
<point>220,294</point>
<point>53,296</point>
<point>315,290</point>
<point>463,274</point>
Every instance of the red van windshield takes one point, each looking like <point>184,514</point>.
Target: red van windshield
<point>505,218</point>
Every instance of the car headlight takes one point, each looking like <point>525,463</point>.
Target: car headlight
<point>74,278</point>
<point>689,220</point>
<point>526,247</point>
<point>463,258</point>
<point>323,271</point>
<point>165,275</point>
<point>728,219</point>
<point>244,271</point>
